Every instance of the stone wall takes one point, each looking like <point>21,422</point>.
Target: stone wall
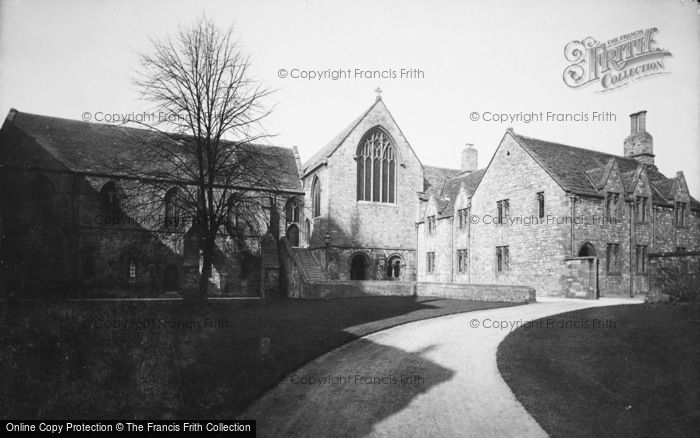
<point>581,278</point>
<point>675,274</point>
<point>537,247</point>
<point>476,292</point>
<point>360,225</point>
<point>63,242</point>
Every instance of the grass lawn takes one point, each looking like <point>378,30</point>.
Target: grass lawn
<point>136,360</point>
<point>636,375</point>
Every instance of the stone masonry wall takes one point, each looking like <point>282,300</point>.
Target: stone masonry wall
<point>537,247</point>
<point>356,224</point>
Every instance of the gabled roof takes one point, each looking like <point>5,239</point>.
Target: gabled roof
<point>583,171</point>
<point>435,178</point>
<point>322,154</point>
<point>31,140</point>
<point>469,180</point>
<point>444,185</point>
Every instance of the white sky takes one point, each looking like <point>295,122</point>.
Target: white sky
<point>65,58</point>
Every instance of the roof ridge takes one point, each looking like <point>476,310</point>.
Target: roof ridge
<point>345,131</point>
<point>573,147</point>
<point>137,128</point>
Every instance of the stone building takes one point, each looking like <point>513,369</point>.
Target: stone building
<point>77,217</point>
<point>565,220</point>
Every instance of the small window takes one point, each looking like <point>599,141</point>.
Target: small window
<point>174,208</point>
<point>462,257</point>
<point>463,217</point>
<point>393,267</point>
<point>641,254</point>
<point>431,261</point>
<point>503,208</point>
<point>680,249</point>
<point>611,206</point>
<point>291,211</point>
<point>679,213</point>
<point>540,204</point>
<point>111,197</point>
<point>132,270</point>
<point>431,224</point>
<point>502,259</point>
<point>316,197</point>
<point>612,262</point>
<point>641,205</point>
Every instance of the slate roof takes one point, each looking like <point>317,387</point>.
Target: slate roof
<point>470,181</point>
<point>580,170</point>
<point>435,179</point>
<point>31,140</point>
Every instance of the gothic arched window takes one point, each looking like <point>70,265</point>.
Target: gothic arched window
<point>316,197</point>
<point>291,212</point>
<point>173,208</point>
<point>111,196</point>
<point>376,168</point>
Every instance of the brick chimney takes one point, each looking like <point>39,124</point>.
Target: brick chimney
<point>469,158</point>
<point>639,144</point>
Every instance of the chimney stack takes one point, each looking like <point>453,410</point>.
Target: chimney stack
<point>639,144</point>
<point>469,158</point>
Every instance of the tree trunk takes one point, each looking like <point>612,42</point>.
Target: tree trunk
<point>207,256</point>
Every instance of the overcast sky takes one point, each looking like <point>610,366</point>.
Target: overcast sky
<point>70,57</point>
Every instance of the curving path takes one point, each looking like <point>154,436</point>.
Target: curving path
<point>436,377</point>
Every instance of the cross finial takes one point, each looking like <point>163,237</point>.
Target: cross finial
<point>378,90</point>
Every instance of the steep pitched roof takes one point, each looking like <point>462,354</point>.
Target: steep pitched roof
<point>451,191</point>
<point>322,154</point>
<point>63,144</point>
<point>435,179</point>
<point>582,171</point>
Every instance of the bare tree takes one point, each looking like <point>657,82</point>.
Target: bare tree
<point>201,149</point>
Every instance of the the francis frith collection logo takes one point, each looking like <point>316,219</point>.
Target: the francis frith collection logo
<point>616,62</point>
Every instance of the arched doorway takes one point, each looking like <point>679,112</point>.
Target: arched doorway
<point>293,235</point>
<point>587,250</point>
<point>358,267</point>
<point>393,268</point>
<point>171,279</point>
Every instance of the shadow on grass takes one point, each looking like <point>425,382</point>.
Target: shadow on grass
<point>635,371</point>
<point>137,360</point>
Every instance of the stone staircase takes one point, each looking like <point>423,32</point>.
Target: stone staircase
<point>312,268</point>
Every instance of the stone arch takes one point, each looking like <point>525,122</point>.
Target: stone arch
<point>293,234</point>
<point>359,266</point>
<point>587,250</point>
<point>316,197</point>
<point>111,196</point>
<point>394,266</point>
<point>174,207</point>
<point>291,210</point>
